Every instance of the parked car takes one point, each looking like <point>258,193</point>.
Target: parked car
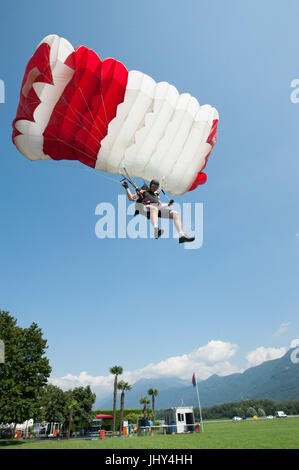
<point>237,418</point>
<point>270,417</point>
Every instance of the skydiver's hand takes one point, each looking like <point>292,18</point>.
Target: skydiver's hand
<point>171,202</point>
<point>137,191</point>
<point>125,185</point>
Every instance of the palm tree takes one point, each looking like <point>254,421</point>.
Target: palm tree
<point>123,386</point>
<point>71,404</point>
<point>144,401</point>
<point>153,392</point>
<point>116,370</point>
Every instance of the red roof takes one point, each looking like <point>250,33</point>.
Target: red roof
<point>104,416</point>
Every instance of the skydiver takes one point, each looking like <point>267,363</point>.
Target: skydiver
<point>148,204</point>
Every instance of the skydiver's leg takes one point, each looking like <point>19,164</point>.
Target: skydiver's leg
<point>167,214</point>
<point>152,213</point>
<point>178,224</point>
<point>177,221</point>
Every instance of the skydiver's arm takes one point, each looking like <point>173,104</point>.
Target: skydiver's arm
<point>131,197</point>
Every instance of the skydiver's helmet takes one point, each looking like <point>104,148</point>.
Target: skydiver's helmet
<point>156,182</point>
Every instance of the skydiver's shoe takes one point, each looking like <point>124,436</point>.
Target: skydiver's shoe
<point>158,232</point>
<point>184,239</point>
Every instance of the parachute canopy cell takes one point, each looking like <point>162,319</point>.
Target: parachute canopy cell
<point>75,106</point>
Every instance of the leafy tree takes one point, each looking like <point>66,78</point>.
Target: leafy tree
<point>53,401</point>
<point>24,372</point>
<point>251,411</point>
<point>73,407</point>
<point>123,386</point>
<point>85,399</point>
<point>261,412</point>
<point>116,371</point>
<point>153,392</point>
<point>132,418</point>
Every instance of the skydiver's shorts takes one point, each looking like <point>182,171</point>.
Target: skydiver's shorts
<point>145,210</point>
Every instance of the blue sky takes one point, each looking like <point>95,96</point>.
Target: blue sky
<point>239,291</point>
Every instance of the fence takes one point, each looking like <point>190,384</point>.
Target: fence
<point>148,430</point>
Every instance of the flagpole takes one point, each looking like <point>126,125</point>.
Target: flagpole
<point>201,421</point>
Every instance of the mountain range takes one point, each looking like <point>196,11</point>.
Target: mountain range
<point>277,379</point>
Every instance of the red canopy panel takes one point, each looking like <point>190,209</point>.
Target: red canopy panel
<point>104,416</point>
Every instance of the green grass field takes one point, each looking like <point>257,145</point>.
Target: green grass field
<point>261,434</point>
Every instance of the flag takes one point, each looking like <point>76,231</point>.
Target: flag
<point>193,380</point>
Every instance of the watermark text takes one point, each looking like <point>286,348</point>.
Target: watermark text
<point>120,222</point>
<point>294,97</point>
<point>2,352</point>
<point>2,91</point>
<point>295,353</point>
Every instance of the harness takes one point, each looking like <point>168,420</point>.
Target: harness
<point>146,198</point>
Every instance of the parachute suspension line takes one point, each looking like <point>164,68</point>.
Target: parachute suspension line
<point>94,121</point>
<point>72,121</point>
<point>162,190</point>
<point>85,168</point>
<point>80,116</point>
<point>57,139</point>
<point>129,179</point>
<point>66,143</point>
<point>161,185</point>
<point>75,113</point>
<point>104,107</point>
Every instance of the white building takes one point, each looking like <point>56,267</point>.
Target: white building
<point>179,419</point>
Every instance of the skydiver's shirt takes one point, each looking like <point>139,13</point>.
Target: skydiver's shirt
<point>135,196</point>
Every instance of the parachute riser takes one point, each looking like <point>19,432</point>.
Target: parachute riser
<point>129,179</point>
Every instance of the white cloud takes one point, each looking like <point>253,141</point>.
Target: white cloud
<point>213,358</point>
<point>215,351</point>
<point>282,329</point>
<point>262,354</point>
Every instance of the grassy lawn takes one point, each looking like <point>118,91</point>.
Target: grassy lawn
<point>261,434</point>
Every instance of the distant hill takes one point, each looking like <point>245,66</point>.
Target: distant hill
<point>277,379</point>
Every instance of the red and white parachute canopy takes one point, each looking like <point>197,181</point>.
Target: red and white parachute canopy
<point>75,106</point>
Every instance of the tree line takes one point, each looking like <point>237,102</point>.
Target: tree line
<point>245,409</point>
<point>249,408</point>
<point>24,390</point>
<point>26,394</point>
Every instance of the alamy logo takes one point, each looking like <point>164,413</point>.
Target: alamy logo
<point>2,92</point>
<point>119,222</point>
<point>295,94</point>
<point>1,351</point>
<point>295,354</point>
